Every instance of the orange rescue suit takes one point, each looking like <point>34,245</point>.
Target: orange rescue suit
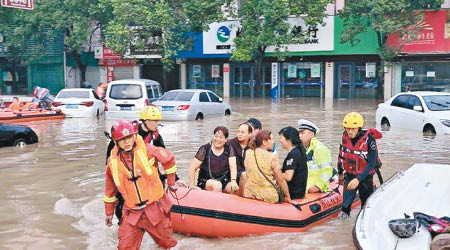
<point>140,185</point>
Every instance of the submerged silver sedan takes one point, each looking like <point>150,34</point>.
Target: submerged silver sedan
<point>191,104</point>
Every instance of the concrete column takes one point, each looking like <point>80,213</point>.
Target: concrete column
<point>136,72</point>
<point>329,80</point>
<point>397,79</point>
<point>183,76</point>
<point>226,80</point>
<point>388,82</point>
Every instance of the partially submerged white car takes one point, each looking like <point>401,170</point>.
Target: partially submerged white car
<point>425,111</point>
<point>79,102</point>
<point>191,104</point>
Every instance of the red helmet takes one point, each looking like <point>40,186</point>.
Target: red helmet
<point>121,129</point>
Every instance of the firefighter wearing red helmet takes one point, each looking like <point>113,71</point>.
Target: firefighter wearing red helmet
<point>130,171</point>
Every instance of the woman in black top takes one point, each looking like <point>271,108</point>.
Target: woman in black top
<point>217,163</point>
<point>295,170</point>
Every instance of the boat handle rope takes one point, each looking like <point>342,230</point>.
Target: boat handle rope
<point>299,205</point>
<point>173,192</point>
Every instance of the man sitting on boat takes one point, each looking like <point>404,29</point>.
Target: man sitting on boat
<point>130,171</point>
<point>320,168</point>
<point>263,170</point>
<point>240,145</point>
<point>358,156</point>
<point>295,171</point>
<point>217,163</point>
<point>15,105</point>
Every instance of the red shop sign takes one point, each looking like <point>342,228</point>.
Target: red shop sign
<point>117,62</point>
<point>433,38</point>
<point>18,4</point>
<point>109,54</point>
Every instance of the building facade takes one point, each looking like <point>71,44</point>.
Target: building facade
<point>319,66</point>
<point>424,63</point>
<point>19,78</point>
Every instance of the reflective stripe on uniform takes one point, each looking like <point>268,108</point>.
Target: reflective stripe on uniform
<point>171,170</point>
<point>115,172</point>
<point>109,199</point>
<point>312,165</point>
<point>144,162</point>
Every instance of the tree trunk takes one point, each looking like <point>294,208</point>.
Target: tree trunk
<point>164,78</point>
<point>258,79</point>
<point>14,79</point>
<point>380,89</point>
<point>381,45</point>
<point>82,66</point>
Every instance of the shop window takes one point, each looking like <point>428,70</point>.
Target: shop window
<point>361,79</point>
<point>425,76</point>
<point>205,74</point>
<point>305,73</point>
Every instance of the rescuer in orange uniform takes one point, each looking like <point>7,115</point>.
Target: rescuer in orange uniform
<point>130,170</point>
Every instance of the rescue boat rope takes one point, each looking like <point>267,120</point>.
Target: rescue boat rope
<point>172,192</point>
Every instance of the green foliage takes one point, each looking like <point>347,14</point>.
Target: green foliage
<point>265,23</point>
<point>20,29</point>
<point>159,24</point>
<point>384,17</point>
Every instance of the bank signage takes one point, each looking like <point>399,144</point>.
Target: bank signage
<point>433,37</point>
<point>219,38</point>
<point>18,4</point>
<point>317,38</point>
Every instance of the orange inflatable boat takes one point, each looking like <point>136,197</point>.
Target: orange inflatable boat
<point>30,115</point>
<point>211,214</point>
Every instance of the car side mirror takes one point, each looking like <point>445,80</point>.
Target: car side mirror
<point>418,108</point>
<point>220,99</point>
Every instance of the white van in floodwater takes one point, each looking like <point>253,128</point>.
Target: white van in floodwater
<point>125,98</point>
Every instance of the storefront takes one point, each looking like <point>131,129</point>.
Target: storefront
<point>424,63</point>
<point>47,71</point>
<point>302,74</point>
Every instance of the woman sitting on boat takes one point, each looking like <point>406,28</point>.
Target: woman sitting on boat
<point>217,163</point>
<point>264,171</point>
<point>295,170</point>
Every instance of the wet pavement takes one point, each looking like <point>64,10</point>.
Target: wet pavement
<point>51,192</point>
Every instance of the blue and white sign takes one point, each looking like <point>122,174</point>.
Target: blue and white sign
<point>219,38</point>
<point>275,81</point>
<point>223,34</point>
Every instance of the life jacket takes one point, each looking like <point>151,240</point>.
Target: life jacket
<point>152,136</point>
<point>433,224</point>
<point>141,185</point>
<point>15,106</point>
<point>354,157</point>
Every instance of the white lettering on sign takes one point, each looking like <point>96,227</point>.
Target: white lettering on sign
<point>19,4</point>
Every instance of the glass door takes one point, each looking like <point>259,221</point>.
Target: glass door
<point>345,85</point>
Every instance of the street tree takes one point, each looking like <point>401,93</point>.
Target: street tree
<point>19,32</point>
<point>159,28</point>
<point>79,21</point>
<point>265,23</point>
<point>385,17</point>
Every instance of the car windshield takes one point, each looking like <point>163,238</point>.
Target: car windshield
<point>437,102</point>
<point>126,91</point>
<point>177,96</point>
<point>73,94</point>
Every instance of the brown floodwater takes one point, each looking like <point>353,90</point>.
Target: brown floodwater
<point>51,192</point>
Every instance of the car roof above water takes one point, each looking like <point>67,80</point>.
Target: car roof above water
<point>425,93</point>
<point>138,81</point>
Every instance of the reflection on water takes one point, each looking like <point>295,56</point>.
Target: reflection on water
<point>50,193</point>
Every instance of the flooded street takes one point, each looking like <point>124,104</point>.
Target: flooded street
<point>51,192</point>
